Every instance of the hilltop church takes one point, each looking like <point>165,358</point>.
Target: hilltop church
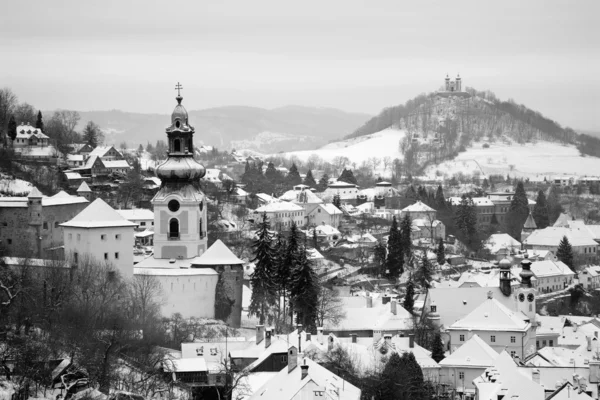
<point>188,272</point>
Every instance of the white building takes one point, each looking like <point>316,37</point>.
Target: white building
<point>142,217</point>
<point>502,245</point>
<point>346,191</point>
<point>551,275</point>
<point>589,277</point>
<point>419,210</point>
<point>102,233</point>
<point>325,214</point>
<point>549,238</point>
<point>281,214</point>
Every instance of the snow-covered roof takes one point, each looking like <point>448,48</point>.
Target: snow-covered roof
<point>592,270</point>
<point>101,151</point>
<point>477,201</point>
<point>551,236</point>
<point>313,254</point>
<point>83,187</point>
<point>278,206</point>
<point>549,268</point>
<point>25,131</point>
<point>137,214</point>
<point>302,196</point>
<point>115,163</point>
<point>172,271</point>
<point>499,241</point>
<point>419,206</point>
<point>98,215</point>
<point>473,353</point>
<point>218,254</point>
<point>491,315</point>
<point>75,157</point>
<point>331,209</point>
<point>73,175</point>
<point>530,223</point>
<point>341,184</point>
<point>186,365</point>
<point>62,198</point>
<point>327,230</point>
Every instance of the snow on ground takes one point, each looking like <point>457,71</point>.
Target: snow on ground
<point>381,144</point>
<point>10,185</point>
<point>530,160</point>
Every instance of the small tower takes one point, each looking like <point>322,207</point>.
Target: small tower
<point>525,295</point>
<point>34,204</point>
<point>458,83</point>
<point>528,228</point>
<point>85,191</point>
<point>447,83</point>
<point>505,278</point>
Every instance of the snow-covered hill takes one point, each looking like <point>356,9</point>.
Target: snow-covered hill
<point>11,186</point>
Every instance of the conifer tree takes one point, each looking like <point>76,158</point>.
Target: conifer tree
<point>39,124</point>
<point>540,211</point>
<point>406,236</point>
<point>348,177</point>
<point>309,180</point>
<point>437,348</point>
<point>272,174</point>
<point>395,257</point>
<point>409,298</point>
<point>304,291</point>
<point>485,185</point>
<point>425,271</point>
<point>441,253</point>
<point>517,212</point>
<point>293,177</point>
<point>554,206</point>
<point>264,291</point>
<point>465,219</point>
<point>337,201</point>
<point>323,183</point>
<point>288,261</point>
<point>380,254</point>
<point>564,252</point>
<point>315,239</point>
<point>12,129</point>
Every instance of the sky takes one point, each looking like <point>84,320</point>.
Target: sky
<point>357,56</point>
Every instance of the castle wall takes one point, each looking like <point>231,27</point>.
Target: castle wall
<point>233,275</point>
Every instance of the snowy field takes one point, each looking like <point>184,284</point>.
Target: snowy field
<point>10,186</point>
<point>381,144</point>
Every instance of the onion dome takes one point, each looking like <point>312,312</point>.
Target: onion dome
<point>526,273</point>
<point>180,169</point>
<point>179,113</point>
<point>504,263</point>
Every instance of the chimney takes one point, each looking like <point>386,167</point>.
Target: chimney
<point>589,343</point>
<point>268,334</point>
<point>320,334</point>
<point>292,358</point>
<point>388,338</point>
<point>308,337</point>
<point>260,333</point>
<point>329,343</point>
<point>535,375</point>
<point>304,368</point>
<point>393,307</point>
<point>299,338</point>
<point>385,299</point>
<point>376,336</point>
<point>411,340</point>
<point>369,302</point>
<point>353,337</point>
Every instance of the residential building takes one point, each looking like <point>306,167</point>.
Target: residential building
<point>419,210</point>
<point>497,203</point>
<point>551,275</point>
<point>589,277</point>
<point>348,192</point>
<point>582,242</point>
<point>325,214</point>
<point>32,141</point>
<point>502,245</point>
<point>143,218</point>
<point>281,214</point>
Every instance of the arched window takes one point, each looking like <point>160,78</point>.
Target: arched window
<point>176,146</point>
<point>173,228</point>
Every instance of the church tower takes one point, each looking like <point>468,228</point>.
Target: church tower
<point>526,294</point>
<point>458,83</point>
<point>180,206</point>
<point>505,277</point>
<point>447,83</point>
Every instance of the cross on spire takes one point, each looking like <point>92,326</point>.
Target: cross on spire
<point>178,87</point>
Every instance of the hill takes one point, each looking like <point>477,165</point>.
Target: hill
<point>234,126</point>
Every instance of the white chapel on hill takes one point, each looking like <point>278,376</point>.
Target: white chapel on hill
<point>188,272</point>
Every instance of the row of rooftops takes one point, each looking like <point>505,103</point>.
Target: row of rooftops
<point>61,198</point>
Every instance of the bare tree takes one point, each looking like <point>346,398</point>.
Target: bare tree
<point>8,102</point>
<point>330,307</point>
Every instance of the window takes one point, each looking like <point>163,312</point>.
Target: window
<point>4,223</point>
<point>513,353</point>
<point>106,256</point>
<point>493,339</point>
<point>103,237</point>
<point>462,338</point>
<point>173,206</point>
<point>56,224</point>
<point>79,236</point>
<point>513,339</point>
<point>9,241</point>
<point>176,145</point>
<point>173,229</point>
<point>70,236</point>
<point>551,343</point>
<point>45,225</point>
<point>116,255</point>
<point>118,236</point>
<point>543,343</point>
<point>143,223</point>
<point>461,375</point>
<point>284,358</point>
<point>75,257</point>
<point>433,308</point>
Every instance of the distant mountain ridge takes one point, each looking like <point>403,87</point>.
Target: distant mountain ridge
<point>264,130</point>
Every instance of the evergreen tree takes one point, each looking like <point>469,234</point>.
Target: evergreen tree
<point>395,257</point>
<point>437,350</point>
<point>465,219</point>
<point>323,183</point>
<point>380,254</point>
<point>309,180</point>
<point>406,236</point>
<point>540,211</point>
<point>425,271</point>
<point>337,201</point>
<point>39,124</point>
<point>409,298</point>
<point>293,177</point>
<point>391,379</point>
<point>348,177</point>
<point>149,148</point>
<point>441,253</point>
<point>264,291</point>
<point>485,185</point>
<point>304,292</point>
<point>92,134</point>
<point>411,194</point>
<point>12,129</point>
<point>565,253</point>
<point>554,206</point>
<point>272,174</point>
<point>315,239</point>
<point>288,261</point>
<point>517,212</point>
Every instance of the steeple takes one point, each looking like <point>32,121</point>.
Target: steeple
<point>505,277</point>
<point>526,273</point>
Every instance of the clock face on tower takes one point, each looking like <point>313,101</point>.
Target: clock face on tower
<point>521,297</point>
<point>530,297</point>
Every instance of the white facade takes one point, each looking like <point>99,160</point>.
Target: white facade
<point>325,214</point>
<point>281,214</point>
<point>590,277</point>
<point>346,191</point>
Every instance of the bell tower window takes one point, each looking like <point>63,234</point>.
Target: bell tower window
<point>177,124</point>
<point>177,145</point>
<point>173,229</point>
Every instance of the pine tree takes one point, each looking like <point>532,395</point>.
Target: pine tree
<point>309,180</point>
<point>540,211</point>
<point>263,288</point>
<point>437,350</point>
<point>323,183</point>
<point>12,129</point>
<point>425,271</point>
<point>91,134</point>
<point>564,252</point>
<point>517,212</point>
<point>39,124</point>
<point>409,298</point>
<point>304,292</point>
<point>348,177</point>
<point>554,206</point>
<point>293,177</point>
<point>288,261</point>
<point>441,253</point>
<point>337,201</point>
<point>380,254</point>
<point>272,174</point>
<point>395,257</point>
<point>406,236</point>
<point>465,219</point>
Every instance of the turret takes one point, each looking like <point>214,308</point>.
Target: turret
<point>458,83</point>
<point>85,191</point>
<point>505,278</point>
<point>528,227</point>
<point>34,204</point>
<point>447,83</point>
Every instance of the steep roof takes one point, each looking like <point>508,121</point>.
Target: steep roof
<point>218,254</point>
<point>499,241</point>
<point>552,236</point>
<point>137,213</point>
<point>473,353</point>
<point>35,193</point>
<point>98,215</point>
<point>419,206</point>
<point>83,187</point>
<point>530,223</point>
<point>276,206</point>
<point>491,315</point>
<point>562,220</point>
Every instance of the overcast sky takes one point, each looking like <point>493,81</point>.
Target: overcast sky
<point>356,56</point>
